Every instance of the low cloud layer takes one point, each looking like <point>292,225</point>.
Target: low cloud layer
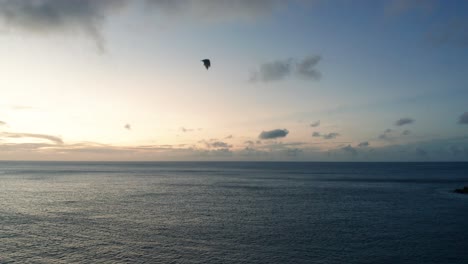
<point>305,68</point>
<point>404,121</point>
<point>463,119</point>
<point>272,134</point>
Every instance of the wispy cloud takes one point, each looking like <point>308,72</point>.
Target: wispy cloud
<point>281,69</point>
<point>406,132</point>
<point>2,123</point>
<point>463,119</point>
<point>404,121</point>
<point>54,139</point>
<point>185,130</point>
<point>315,124</point>
<point>272,134</point>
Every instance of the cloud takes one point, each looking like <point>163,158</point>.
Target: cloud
<point>398,7</point>
<point>386,134</point>
<point>350,150</point>
<point>58,16</point>
<point>463,119</point>
<point>229,137</point>
<point>281,69</point>
<point>315,124</point>
<point>185,130</point>
<point>128,127</point>
<point>363,144</point>
<point>272,71</point>
<point>453,32</point>
<point>220,144</point>
<point>421,152</point>
<point>406,132</point>
<point>404,121</point>
<point>272,134</point>
<point>331,135</point>
<point>2,123</point>
<point>54,139</point>
<point>307,68</point>
<point>219,9</point>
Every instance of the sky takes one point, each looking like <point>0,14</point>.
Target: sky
<point>296,80</point>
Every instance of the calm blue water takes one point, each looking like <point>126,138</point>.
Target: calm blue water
<point>233,213</point>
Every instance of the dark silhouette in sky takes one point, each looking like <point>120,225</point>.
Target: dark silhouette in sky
<point>207,63</point>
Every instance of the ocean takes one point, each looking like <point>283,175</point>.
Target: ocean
<point>233,212</point>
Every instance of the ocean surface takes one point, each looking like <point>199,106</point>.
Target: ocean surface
<point>233,212</point>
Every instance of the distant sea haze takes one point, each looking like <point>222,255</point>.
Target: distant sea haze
<point>184,212</point>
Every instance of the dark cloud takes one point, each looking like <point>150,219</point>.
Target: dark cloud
<point>272,134</point>
<point>404,121</point>
<point>315,124</point>
<point>363,144</point>
<point>406,132</point>
<point>307,68</point>
<point>316,134</point>
<point>54,139</point>
<point>350,150</point>
<point>128,127</point>
<point>330,135</point>
<point>463,119</point>
<point>281,69</point>
<point>52,16</point>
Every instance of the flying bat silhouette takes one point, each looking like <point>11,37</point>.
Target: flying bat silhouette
<point>207,63</point>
